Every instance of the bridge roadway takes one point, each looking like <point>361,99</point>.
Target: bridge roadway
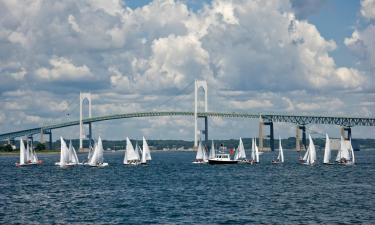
<point>267,117</point>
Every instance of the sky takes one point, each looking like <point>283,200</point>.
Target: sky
<point>289,56</point>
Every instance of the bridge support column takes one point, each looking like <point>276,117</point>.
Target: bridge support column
<point>261,135</point>
<point>50,140</point>
<point>206,130</point>
<point>304,142</point>
<point>348,131</point>
<point>90,134</point>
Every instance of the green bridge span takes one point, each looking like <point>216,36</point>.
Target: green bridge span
<point>267,117</point>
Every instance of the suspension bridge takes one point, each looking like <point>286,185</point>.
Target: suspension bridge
<point>265,119</point>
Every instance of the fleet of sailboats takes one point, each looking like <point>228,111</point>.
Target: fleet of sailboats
<point>27,155</point>
<point>134,156</point>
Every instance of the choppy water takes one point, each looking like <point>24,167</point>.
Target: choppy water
<point>173,190</point>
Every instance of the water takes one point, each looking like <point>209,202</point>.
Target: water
<point>172,190</point>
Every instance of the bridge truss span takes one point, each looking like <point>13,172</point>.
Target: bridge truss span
<point>267,117</point>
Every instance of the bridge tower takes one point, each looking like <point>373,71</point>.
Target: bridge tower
<point>82,98</point>
<point>200,84</point>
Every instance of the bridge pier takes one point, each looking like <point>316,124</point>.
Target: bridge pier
<point>304,142</point>
<point>261,135</point>
<point>90,134</point>
<point>348,131</point>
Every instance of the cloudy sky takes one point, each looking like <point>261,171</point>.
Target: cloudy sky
<point>305,56</point>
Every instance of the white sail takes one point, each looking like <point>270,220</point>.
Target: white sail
<point>352,152</point>
<point>73,158</point>
<point>306,154</point>
<point>256,151</point>
<point>64,156</point>
<point>280,157</point>
<point>252,149</point>
<point>327,151</point>
<point>22,153</point>
<point>130,154</point>
<point>199,155</point>
<point>138,151</point>
<point>343,152</point>
<point>241,151</point>
<point>97,157</point>
<point>312,152</point>
<point>28,153</point>
<point>146,148</point>
<point>212,151</point>
<point>205,156</point>
<point>34,157</point>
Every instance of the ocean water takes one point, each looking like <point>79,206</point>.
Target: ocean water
<point>172,190</point>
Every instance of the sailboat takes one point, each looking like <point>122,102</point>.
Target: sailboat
<point>212,154</point>
<point>280,157</point>
<point>68,156</point>
<point>131,156</point>
<point>146,155</point>
<point>27,155</point>
<point>345,155</point>
<point>310,156</point>
<point>254,152</point>
<point>97,159</point>
<point>327,152</point>
<point>240,152</point>
<point>201,156</point>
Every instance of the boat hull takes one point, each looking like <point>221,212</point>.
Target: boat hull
<point>213,161</point>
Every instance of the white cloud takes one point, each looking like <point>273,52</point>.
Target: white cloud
<point>368,9</point>
<point>63,69</point>
<point>136,59</point>
<point>252,104</point>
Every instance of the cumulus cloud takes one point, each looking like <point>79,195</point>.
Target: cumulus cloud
<point>63,69</point>
<point>368,9</point>
<point>139,58</point>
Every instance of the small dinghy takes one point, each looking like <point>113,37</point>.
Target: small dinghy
<point>146,155</point>
<point>131,156</point>
<point>280,157</point>
<point>201,156</point>
<point>212,153</point>
<point>97,158</point>
<point>310,156</point>
<point>240,154</point>
<point>28,156</point>
<point>345,155</point>
<point>327,152</point>
<point>254,152</point>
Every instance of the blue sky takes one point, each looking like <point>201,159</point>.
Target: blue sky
<point>310,56</point>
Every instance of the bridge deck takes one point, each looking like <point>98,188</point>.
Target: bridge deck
<point>275,117</point>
